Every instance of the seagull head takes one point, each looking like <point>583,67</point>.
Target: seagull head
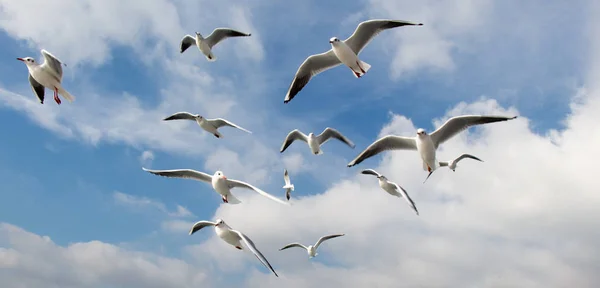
<point>198,34</point>
<point>421,132</point>
<point>27,60</point>
<point>333,39</point>
<point>200,117</point>
<point>219,222</point>
<point>311,134</point>
<point>220,174</point>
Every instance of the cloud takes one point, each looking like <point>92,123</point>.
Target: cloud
<point>136,202</point>
<point>146,158</point>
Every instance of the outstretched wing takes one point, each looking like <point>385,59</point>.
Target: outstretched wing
<point>220,34</point>
<point>389,142</point>
<point>291,137</point>
<point>255,251</point>
<point>406,197</point>
<point>463,156</point>
<point>458,124</point>
<point>181,116</point>
<point>186,42</point>
<point>329,133</point>
<point>236,183</point>
<point>220,122</point>
<point>312,66</point>
<point>370,172</point>
<point>325,238</point>
<point>367,30</point>
<point>182,173</point>
<point>286,177</point>
<point>293,245</point>
<point>53,63</point>
<point>37,88</point>
<point>201,224</point>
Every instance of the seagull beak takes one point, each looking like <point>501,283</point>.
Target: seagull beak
<point>224,177</point>
<point>21,59</point>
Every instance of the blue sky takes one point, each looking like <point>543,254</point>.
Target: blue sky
<point>73,172</point>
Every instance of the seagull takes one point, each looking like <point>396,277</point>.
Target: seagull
<point>312,250</point>
<point>424,143</point>
<point>220,183</point>
<point>205,45</point>
<point>342,52</point>
<point>315,141</point>
<point>391,188</point>
<point>289,187</point>
<point>46,75</point>
<point>453,163</point>
<point>233,237</point>
<point>210,125</point>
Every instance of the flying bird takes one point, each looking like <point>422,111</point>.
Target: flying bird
<point>424,143</point>
<point>312,250</point>
<point>234,238</point>
<point>342,52</point>
<point>219,182</point>
<point>391,188</point>
<point>205,45</point>
<point>209,125</point>
<point>315,141</point>
<point>289,187</point>
<point>453,163</point>
<point>46,75</point>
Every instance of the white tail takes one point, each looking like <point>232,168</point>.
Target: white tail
<point>66,94</point>
<point>364,65</point>
<point>291,186</point>
<point>232,200</point>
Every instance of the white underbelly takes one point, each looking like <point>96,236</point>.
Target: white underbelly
<point>427,152</point>
<point>314,145</point>
<point>46,79</point>
<point>346,56</point>
<point>221,187</point>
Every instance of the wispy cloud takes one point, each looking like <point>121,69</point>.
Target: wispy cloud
<point>137,202</point>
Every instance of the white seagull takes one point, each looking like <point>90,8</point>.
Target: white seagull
<point>234,238</point>
<point>205,45</point>
<point>424,143</point>
<point>289,187</point>
<point>219,182</point>
<point>312,250</point>
<point>315,141</point>
<point>342,52</point>
<point>210,125</point>
<point>47,75</point>
<point>453,163</point>
<point>391,188</point>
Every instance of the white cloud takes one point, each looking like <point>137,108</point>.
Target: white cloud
<point>137,202</point>
<point>147,157</point>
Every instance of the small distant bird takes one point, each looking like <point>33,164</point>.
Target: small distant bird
<point>234,238</point>
<point>289,187</point>
<point>392,188</point>
<point>453,163</point>
<point>210,125</point>
<point>312,250</point>
<point>342,52</point>
<point>424,143</point>
<point>47,75</point>
<point>219,182</point>
<point>315,141</point>
<point>205,45</point>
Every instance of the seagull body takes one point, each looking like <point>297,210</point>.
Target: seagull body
<point>47,75</point>
<point>219,182</point>
<point>205,45</point>
<point>392,188</point>
<point>289,187</point>
<point>452,164</point>
<point>342,52</point>
<point>209,125</point>
<point>232,237</point>
<point>424,143</point>
<point>315,141</point>
<point>312,250</point>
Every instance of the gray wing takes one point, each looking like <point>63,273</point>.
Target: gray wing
<point>53,63</point>
<point>463,156</point>
<point>293,245</point>
<point>329,133</point>
<point>291,137</point>
<point>239,184</point>
<point>182,173</point>
<point>370,172</point>
<point>312,66</point>
<point>201,224</point>
<point>186,42</point>
<point>288,194</point>
<point>37,88</point>
<point>286,177</point>
<point>181,116</point>
<point>367,30</point>
<point>389,142</point>
<point>458,124</point>
<point>406,197</point>
<point>220,34</point>
<point>325,238</point>
<point>220,122</point>
<point>255,251</point>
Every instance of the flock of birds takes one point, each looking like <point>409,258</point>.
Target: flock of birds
<point>49,75</point>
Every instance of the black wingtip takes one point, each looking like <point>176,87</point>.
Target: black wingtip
<point>420,24</point>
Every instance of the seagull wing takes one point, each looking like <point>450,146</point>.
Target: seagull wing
<point>325,238</point>
<point>220,122</point>
<point>463,156</point>
<point>367,30</point>
<point>370,172</point>
<point>53,64</point>
<point>458,124</point>
<point>186,42</point>
<point>389,142</point>
<point>291,137</point>
<point>406,197</point>
<point>293,245</point>
<point>37,88</point>
<point>312,66</point>
<point>221,34</point>
<point>329,133</point>
<point>182,173</point>
<point>239,184</point>
<point>181,116</point>
<point>286,177</point>
<point>255,251</point>
<point>201,224</point>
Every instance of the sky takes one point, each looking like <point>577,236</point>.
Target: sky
<point>77,210</point>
